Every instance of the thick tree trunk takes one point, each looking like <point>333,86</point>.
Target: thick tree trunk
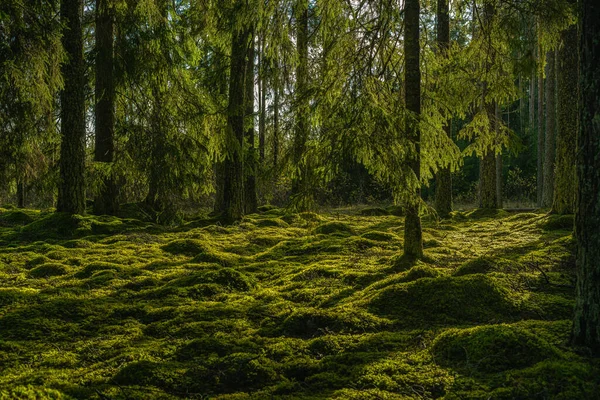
<point>540,129</point>
<point>301,132</point>
<point>567,124</point>
<point>233,188</point>
<point>586,328</point>
<point>413,236</point>
<point>443,186</point>
<point>250,200</point>
<point>106,200</point>
<point>550,143</point>
<point>71,189</point>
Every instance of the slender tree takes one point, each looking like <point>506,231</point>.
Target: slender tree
<point>71,189</point>
<point>443,188</point>
<point>413,236</point>
<point>550,142</point>
<point>106,201</point>
<point>567,124</point>
<point>586,327</point>
<point>301,131</point>
<point>540,123</point>
<point>250,200</point>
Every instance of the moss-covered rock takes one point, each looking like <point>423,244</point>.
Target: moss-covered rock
<point>491,348</point>
<point>311,322</point>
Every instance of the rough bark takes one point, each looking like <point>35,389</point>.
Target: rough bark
<point>301,131</point>
<point>233,188</point>
<point>263,101</point>
<point>250,200</point>
<point>106,200</point>
<point>586,327</point>
<point>550,142</point>
<point>443,187</point>
<point>540,129</point>
<point>21,192</point>
<point>499,162</point>
<point>487,168</point>
<point>567,124</point>
<point>276,99</point>
<point>71,189</point>
<point>413,236</point>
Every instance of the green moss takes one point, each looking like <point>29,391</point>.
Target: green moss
<point>491,348</point>
<point>15,218</point>
<point>274,222</point>
<point>48,270</point>
<point>373,212</point>
<point>94,267</point>
<point>381,236</point>
<point>32,392</point>
<point>310,322</point>
<point>398,211</point>
<point>186,247</point>
<point>445,300</point>
<point>420,271</point>
<point>55,225</point>
<point>559,223</point>
<point>480,265</point>
<point>329,228</point>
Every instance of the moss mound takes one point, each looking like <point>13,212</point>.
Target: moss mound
<point>380,236</point>
<point>33,392</point>
<point>373,212</point>
<point>420,271</point>
<point>311,322</point>
<point>15,218</point>
<point>481,265</point>
<point>444,300</point>
<point>559,223</point>
<point>330,228</point>
<point>94,267</point>
<point>271,222</point>
<point>49,269</point>
<point>491,348</point>
<point>186,247</point>
<point>55,225</point>
<point>225,277</point>
<point>397,211</point>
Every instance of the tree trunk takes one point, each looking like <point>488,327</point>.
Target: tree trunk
<point>567,124</point>
<point>250,200</point>
<point>413,236</point>
<point>263,100</point>
<point>276,92</point>
<point>71,189</point>
<point>233,188</point>
<point>540,129</point>
<point>499,162</point>
<point>550,143</point>
<point>106,200</point>
<point>301,133</point>
<point>487,168</point>
<point>443,186</point>
<point>586,327</point>
<point>20,192</point>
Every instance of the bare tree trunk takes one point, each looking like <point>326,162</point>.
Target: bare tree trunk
<point>586,327</point>
<point>540,129</point>
<point>550,143</point>
<point>443,187</point>
<point>250,200</point>
<point>413,235</point>
<point>71,189</point>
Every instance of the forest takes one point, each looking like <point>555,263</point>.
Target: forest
<point>300,199</point>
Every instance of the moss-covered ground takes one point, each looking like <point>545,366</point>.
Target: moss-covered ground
<point>289,306</point>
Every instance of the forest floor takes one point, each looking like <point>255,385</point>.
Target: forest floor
<point>289,306</point>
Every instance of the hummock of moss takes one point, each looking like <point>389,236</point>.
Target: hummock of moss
<point>15,218</point>
<point>373,212</point>
<point>290,306</point>
<point>491,348</point>
<point>559,222</point>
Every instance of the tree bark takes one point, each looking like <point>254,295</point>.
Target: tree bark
<point>301,132</point>
<point>250,200</point>
<point>233,188</point>
<point>586,327</point>
<point>276,99</point>
<point>550,142</point>
<point>567,124</point>
<point>263,100</point>
<point>106,200</point>
<point>71,189</point>
<point>540,128</point>
<point>499,162</point>
<point>413,236</point>
<point>443,186</point>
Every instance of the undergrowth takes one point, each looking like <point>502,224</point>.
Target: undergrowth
<point>296,306</point>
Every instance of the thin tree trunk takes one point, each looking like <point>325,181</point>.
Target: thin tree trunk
<point>106,200</point>
<point>276,99</point>
<point>540,128</point>
<point>550,143</point>
<point>499,162</point>
<point>250,200</point>
<point>567,123</point>
<point>71,189</point>
<point>413,236</point>
<point>20,191</point>
<point>443,187</point>
<point>301,133</point>
<point>263,100</point>
<point>586,327</point>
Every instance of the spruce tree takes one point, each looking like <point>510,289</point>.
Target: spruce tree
<point>71,189</point>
